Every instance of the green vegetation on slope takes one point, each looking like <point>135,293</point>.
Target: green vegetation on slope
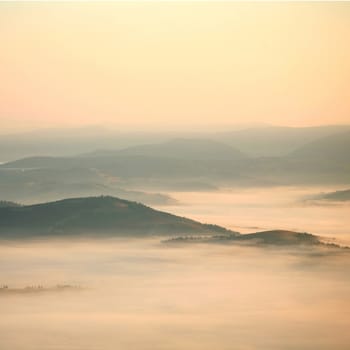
<point>96,215</point>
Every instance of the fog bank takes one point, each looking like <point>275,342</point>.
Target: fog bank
<point>141,294</point>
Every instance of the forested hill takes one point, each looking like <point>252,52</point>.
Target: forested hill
<point>96,215</point>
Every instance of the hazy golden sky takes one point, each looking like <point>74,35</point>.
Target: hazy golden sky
<point>168,64</point>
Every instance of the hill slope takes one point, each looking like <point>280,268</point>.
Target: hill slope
<point>96,215</point>
<point>279,238</point>
<point>330,149</point>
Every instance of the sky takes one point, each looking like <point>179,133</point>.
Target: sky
<point>167,65</point>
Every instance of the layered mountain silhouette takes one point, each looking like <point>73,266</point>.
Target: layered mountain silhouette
<point>254,140</point>
<point>203,161</point>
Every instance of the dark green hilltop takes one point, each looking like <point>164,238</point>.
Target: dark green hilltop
<point>102,215</point>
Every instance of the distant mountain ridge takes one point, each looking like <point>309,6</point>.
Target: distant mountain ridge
<point>185,149</point>
<point>333,148</point>
<point>258,140</point>
<point>276,141</point>
<point>324,161</point>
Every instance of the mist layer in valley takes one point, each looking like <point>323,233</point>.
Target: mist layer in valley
<point>249,210</point>
<point>141,294</point>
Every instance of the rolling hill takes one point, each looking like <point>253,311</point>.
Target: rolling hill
<point>107,216</point>
<point>29,186</point>
<point>277,238</point>
<point>280,237</point>
<point>331,149</point>
<point>96,216</point>
<point>180,149</point>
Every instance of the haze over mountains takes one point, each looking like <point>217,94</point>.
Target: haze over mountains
<point>267,141</point>
<point>52,183</point>
<point>331,148</point>
<point>139,172</point>
<point>194,149</point>
<point>262,140</point>
<point>148,201</point>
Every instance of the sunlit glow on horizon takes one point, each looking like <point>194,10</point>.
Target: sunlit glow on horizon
<point>173,65</point>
